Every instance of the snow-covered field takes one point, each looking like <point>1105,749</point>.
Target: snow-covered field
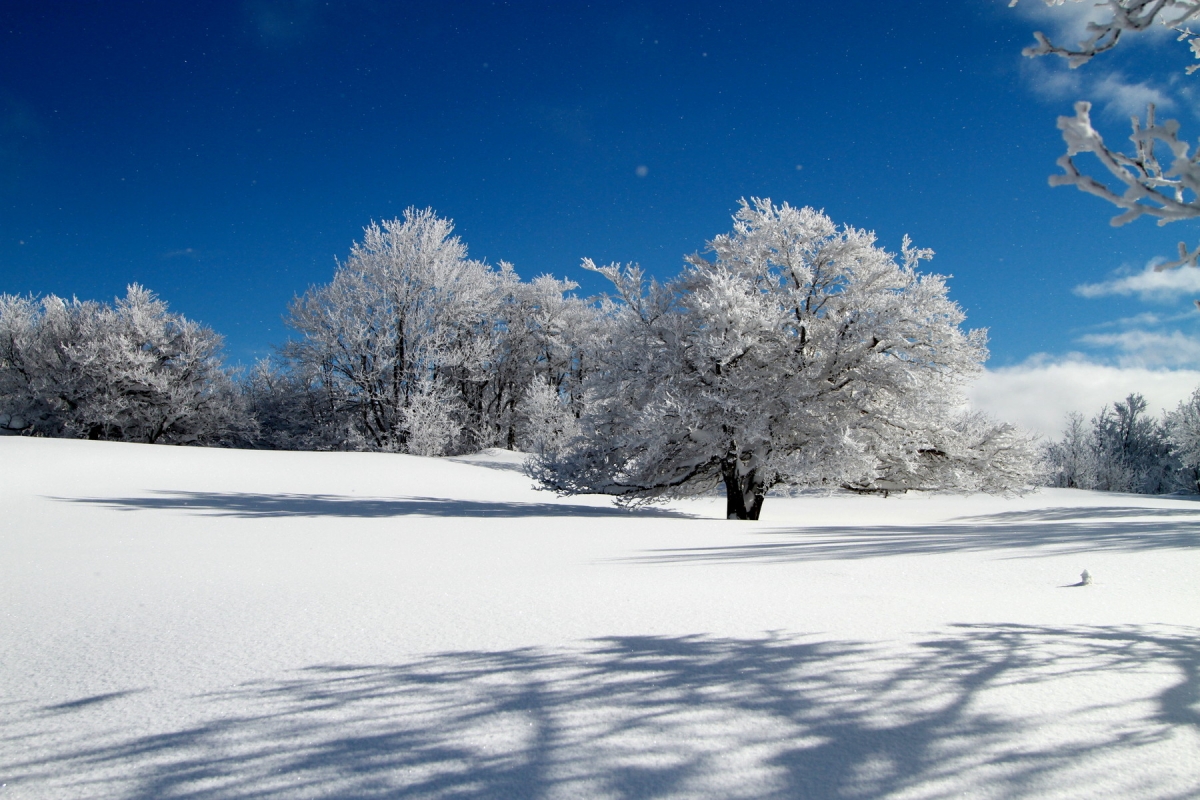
<point>186,623</point>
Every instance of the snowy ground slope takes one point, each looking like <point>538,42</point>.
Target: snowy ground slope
<point>186,623</point>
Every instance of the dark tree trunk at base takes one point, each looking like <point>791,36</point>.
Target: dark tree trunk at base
<point>743,493</point>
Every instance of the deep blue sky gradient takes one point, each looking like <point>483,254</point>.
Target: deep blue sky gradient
<point>224,154</point>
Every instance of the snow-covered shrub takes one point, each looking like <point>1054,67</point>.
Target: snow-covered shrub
<point>547,422</point>
<point>429,420</point>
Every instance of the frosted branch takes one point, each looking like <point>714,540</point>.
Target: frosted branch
<point>1169,194</point>
<point>1128,16</point>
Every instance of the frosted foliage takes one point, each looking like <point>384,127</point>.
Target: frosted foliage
<point>429,421</point>
<point>967,452</point>
<point>802,354</point>
<point>1183,431</point>
<point>547,421</point>
<point>1122,449</point>
<point>408,307</point>
<point>130,371</point>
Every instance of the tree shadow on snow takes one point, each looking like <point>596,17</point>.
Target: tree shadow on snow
<point>249,505</point>
<point>1080,514</point>
<point>658,716</point>
<point>1065,530</point>
<point>490,462</point>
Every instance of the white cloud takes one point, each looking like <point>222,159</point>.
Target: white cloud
<point>1052,81</point>
<point>1142,348</point>
<point>1110,91</point>
<point>1038,394</point>
<point>1120,96</point>
<point>1148,285</point>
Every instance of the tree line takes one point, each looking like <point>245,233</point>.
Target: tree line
<point>795,352</point>
<point>1125,449</point>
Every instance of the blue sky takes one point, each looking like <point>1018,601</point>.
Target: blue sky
<point>224,154</point>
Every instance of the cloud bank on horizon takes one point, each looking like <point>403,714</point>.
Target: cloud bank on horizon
<point>1038,394</point>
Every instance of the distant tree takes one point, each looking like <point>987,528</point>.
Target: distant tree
<point>1133,454</point>
<point>1183,433</point>
<point>1124,449</point>
<point>542,335</point>
<point>803,354</point>
<point>295,408</point>
<point>1071,462</point>
<point>128,372</point>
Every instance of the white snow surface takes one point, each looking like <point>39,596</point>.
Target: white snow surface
<point>201,623</point>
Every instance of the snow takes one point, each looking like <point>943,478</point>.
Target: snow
<point>187,623</point>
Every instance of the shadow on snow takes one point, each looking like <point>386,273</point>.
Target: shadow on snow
<point>1066,530</point>
<point>249,505</point>
<point>657,716</point>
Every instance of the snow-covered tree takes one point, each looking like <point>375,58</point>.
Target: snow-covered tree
<point>407,316</point>
<point>1161,177</point>
<point>802,354</point>
<point>1133,454</point>
<point>547,421</point>
<point>1183,432</point>
<point>414,347</point>
<point>1124,449</point>
<point>130,371</point>
<point>1071,462</point>
<point>542,334</point>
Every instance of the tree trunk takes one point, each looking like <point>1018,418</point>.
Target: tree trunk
<point>744,493</point>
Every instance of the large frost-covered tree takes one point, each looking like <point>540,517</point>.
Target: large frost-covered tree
<point>131,371</point>
<point>801,354</point>
<point>1161,177</point>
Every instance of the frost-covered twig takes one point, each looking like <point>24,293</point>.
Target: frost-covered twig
<point>1168,194</point>
<point>1128,16</point>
